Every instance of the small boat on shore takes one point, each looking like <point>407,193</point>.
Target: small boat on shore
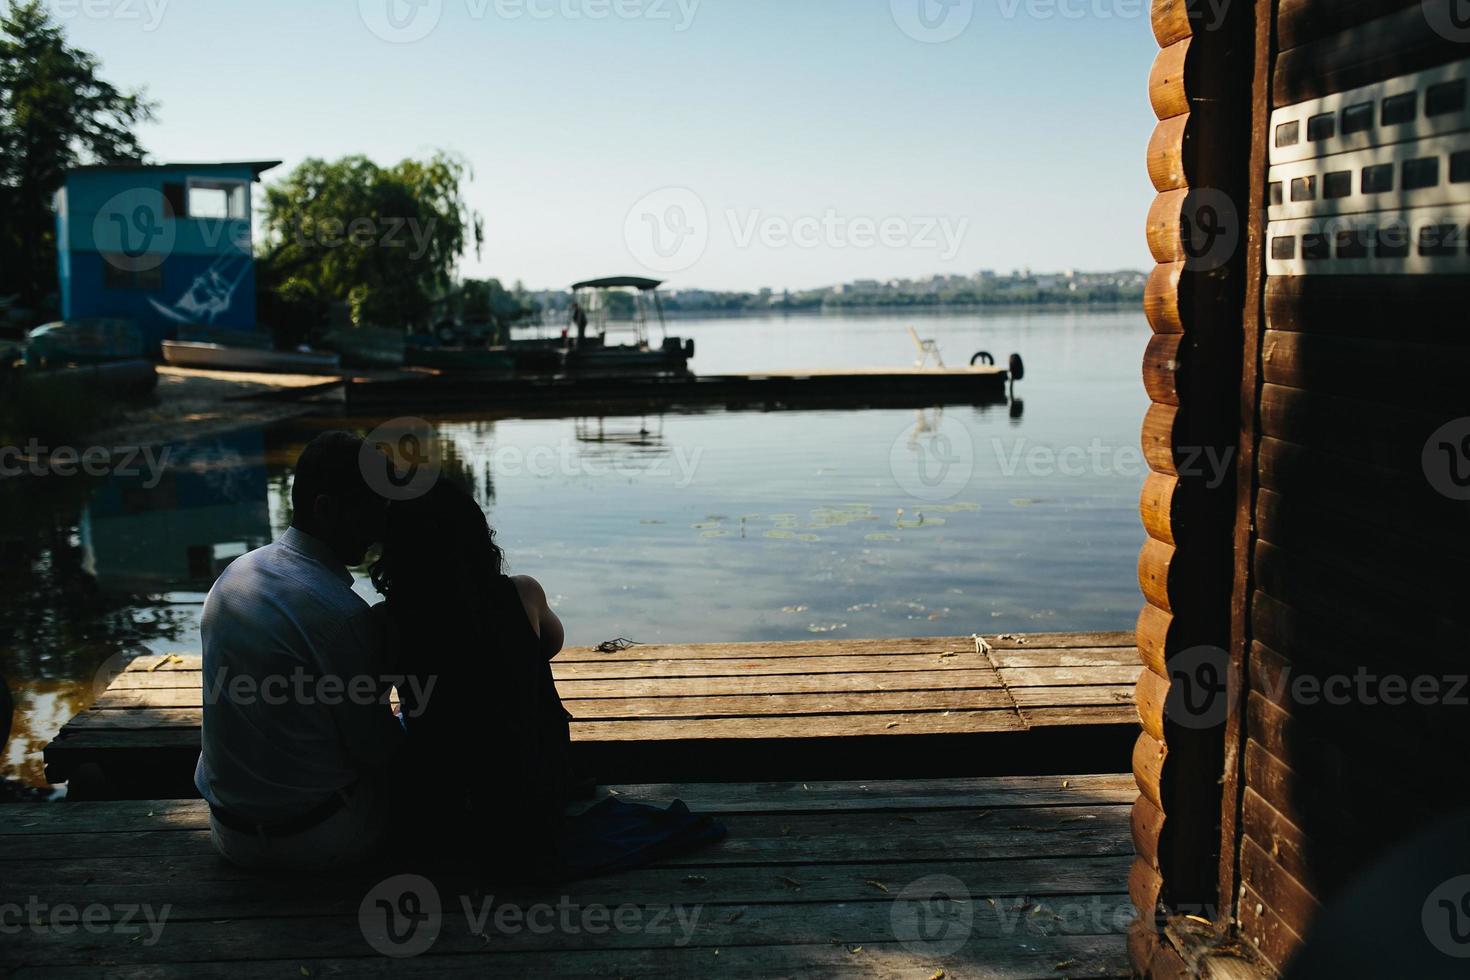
<point>89,341</point>
<point>368,347</point>
<point>218,357</point>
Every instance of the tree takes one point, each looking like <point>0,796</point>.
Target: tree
<point>383,240</point>
<point>55,114</point>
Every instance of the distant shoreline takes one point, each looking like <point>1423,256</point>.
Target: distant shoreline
<point>928,309</point>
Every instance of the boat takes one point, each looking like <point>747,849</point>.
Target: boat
<point>218,357</point>
<point>197,333</point>
<point>368,347</point>
<point>86,341</point>
<point>460,358</point>
<point>592,306</point>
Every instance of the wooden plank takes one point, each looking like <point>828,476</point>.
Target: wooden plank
<point>1336,365</point>
<point>1260,926</point>
<point>850,923</point>
<point>1381,499</point>
<point>671,706</point>
<point>989,792</point>
<point>1396,44</point>
<point>1005,959</point>
<point>1294,904</point>
<point>1409,308</point>
<point>1301,22</point>
<point>807,726</point>
<point>902,836</point>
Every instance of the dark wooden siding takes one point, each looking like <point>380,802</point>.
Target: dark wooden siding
<point>1360,566</point>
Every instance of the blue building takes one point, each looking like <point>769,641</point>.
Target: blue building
<point>162,246</point>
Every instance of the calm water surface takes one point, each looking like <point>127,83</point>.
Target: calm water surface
<point>681,527</point>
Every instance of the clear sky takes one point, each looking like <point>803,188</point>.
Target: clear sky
<point>724,144</point>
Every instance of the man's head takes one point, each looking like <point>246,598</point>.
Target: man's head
<point>331,499</point>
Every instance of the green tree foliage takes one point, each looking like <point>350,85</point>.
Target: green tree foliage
<point>55,114</point>
<point>383,240</point>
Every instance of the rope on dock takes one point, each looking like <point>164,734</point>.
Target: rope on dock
<point>981,647</point>
<point>616,646</point>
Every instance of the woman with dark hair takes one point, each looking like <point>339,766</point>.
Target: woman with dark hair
<point>487,728</point>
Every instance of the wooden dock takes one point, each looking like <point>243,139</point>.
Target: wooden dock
<point>878,387</point>
<point>825,709</point>
<point>994,877</point>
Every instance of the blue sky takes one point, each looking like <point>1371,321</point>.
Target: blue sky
<point>802,142</point>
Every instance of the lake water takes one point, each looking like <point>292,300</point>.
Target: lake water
<point>722,526</point>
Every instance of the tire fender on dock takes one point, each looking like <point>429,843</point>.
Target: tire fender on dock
<point>1018,367</point>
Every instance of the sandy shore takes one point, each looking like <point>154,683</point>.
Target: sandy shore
<point>190,404</point>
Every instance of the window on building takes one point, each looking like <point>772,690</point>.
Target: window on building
<point>1316,245</point>
<point>1304,189</point>
<point>1357,118</point>
<point>1460,167</point>
<point>1378,179</point>
<point>1352,245</point>
<point>1391,241</point>
<point>1399,109</point>
<point>1276,197</point>
<point>1322,127</point>
<point>1288,134</point>
<point>1339,183</point>
<point>1439,240</point>
<point>1283,248</point>
<point>1421,173</point>
<point>218,199</point>
<point>1445,98</point>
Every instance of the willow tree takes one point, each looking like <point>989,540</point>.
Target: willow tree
<point>385,240</point>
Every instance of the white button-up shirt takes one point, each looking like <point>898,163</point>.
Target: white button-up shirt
<point>295,701</point>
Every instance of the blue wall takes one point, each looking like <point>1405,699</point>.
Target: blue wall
<point>182,270</point>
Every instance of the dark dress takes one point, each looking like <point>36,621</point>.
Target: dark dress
<point>490,746</point>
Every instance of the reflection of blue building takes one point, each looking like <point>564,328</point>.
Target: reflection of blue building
<point>179,528</point>
<point>159,245</point>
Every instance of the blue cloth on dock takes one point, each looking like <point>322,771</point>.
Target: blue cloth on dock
<point>615,835</point>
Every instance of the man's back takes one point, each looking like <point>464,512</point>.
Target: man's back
<point>294,702</point>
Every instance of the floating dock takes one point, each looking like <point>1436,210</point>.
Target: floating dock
<point>824,709</point>
<point>849,387</point>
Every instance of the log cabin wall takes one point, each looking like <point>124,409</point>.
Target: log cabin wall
<point>1197,231</point>
<point>1355,530</point>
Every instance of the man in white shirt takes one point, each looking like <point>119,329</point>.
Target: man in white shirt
<point>298,734</point>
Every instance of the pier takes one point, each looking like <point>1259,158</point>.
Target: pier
<point>823,709</point>
<point>848,387</point>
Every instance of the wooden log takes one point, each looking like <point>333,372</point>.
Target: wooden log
<point>1166,225</point>
<point>1159,427</point>
<point>1166,90</point>
<point>1171,21</point>
<point>1162,298</point>
<point>1161,367</point>
<point>1148,768</point>
<point>1166,154</point>
<point>1154,644</point>
<point>1145,885</point>
<point>1155,568</point>
<point>1157,507</point>
<point>1146,822</point>
<point>1152,693</point>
